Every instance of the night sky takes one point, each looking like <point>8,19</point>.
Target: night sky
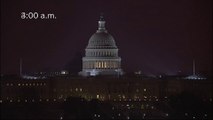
<point>154,36</point>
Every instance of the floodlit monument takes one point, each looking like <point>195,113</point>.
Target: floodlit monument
<point>101,57</point>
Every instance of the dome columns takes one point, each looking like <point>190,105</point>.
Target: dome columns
<point>102,64</point>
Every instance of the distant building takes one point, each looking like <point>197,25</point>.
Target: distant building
<point>102,88</point>
<point>148,97</point>
<point>101,57</point>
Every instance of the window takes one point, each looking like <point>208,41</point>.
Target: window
<point>97,96</point>
<point>105,65</point>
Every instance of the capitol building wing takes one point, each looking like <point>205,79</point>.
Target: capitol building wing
<point>101,54</point>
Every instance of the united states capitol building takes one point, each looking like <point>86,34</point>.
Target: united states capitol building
<point>128,97</point>
<point>101,57</point>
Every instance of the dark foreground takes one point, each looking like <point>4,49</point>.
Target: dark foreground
<point>181,106</point>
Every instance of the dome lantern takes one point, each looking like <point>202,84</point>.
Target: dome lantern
<point>101,24</point>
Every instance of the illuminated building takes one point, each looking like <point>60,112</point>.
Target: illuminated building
<point>102,88</point>
<point>101,57</point>
<point>126,94</point>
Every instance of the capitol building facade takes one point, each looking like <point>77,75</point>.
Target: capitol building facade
<point>101,57</point>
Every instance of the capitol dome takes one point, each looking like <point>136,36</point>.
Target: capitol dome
<point>101,40</point>
<point>101,54</point>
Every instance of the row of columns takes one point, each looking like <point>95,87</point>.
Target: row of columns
<point>101,64</point>
<point>104,53</point>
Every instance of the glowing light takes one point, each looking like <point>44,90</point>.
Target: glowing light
<point>93,72</point>
<point>105,65</point>
<point>97,96</point>
<point>61,118</point>
<point>99,64</point>
<point>123,96</point>
<point>63,72</point>
<point>144,89</point>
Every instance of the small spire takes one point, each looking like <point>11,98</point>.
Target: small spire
<point>193,69</point>
<point>102,17</point>
<point>20,67</point>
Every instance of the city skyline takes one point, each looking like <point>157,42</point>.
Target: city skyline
<point>156,37</point>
